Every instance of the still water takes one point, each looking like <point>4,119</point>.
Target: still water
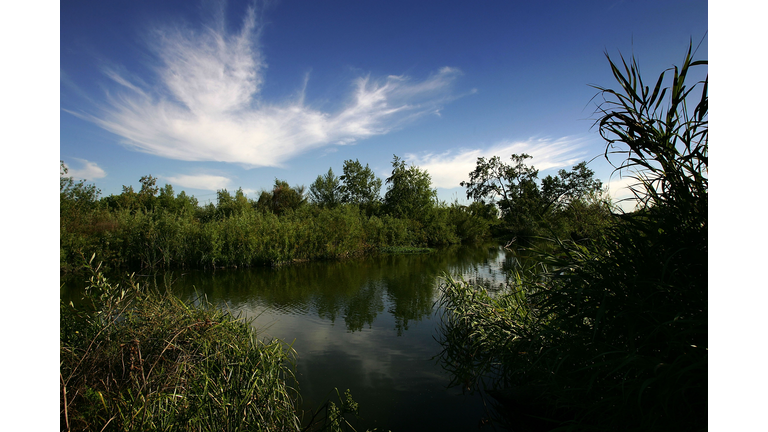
<point>368,325</point>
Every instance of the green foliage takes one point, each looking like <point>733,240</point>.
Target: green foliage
<point>472,223</point>
<point>326,190</point>
<point>138,360</point>
<point>437,227</point>
<point>531,210</point>
<point>155,229</point>
<point>611,335</point>
<point>360,185</point>
<point>409,194</point>
<point>664,148</point>
<point>493,178</point>
<point>333,416</point>
<point>76,198</point>
<point>282,198</point>
<point>583,219</point>
<point>569,187</point>
<point>388,231</point>
<point>227,205</point>
<point>79,214</point>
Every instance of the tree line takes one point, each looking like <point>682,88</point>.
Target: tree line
<point>155,227</point>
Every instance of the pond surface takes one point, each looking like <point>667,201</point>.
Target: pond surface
<point>368,325</point>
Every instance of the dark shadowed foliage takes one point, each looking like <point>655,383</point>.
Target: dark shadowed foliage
<point>611,335</point>
<point>282,198</point>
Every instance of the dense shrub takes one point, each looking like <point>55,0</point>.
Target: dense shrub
<point>609,335</point>
<point>140,360</point>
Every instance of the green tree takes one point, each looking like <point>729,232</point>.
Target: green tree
<point>148,186</point>
<point>528,208</point>
<point>569,186</point>
<point>282,198</point>
<point>359,185</point>
<point>126,200</point>
<point>76,197</point>
<point>613,332</point>
<point>228,205</point>
<point>325,191</point>
<point>166,199</point>
<point>177,204</point>
<point>512,187</point>
<point>409,194</point>
<point>186,203</point>
<point>78,210</point>
<point>145,199</point>
<point>473,222</point>
<point>494,181</point>
<point>148,193</point>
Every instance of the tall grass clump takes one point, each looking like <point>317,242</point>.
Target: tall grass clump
<point>611,335</point>
<point>136,359</point>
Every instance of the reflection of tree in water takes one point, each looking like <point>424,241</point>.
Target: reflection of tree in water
<point>364,306</point>
<point>353,289</point>
<point>410,286</point>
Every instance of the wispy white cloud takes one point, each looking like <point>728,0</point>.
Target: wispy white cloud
<point>209,109</point>
<point>68,85</point>
<point>251,193</point>
<point>118,78</point>
<point>88,170</point>
<point>201,181</point>
<point>620,188</point>
<point>449,168</point>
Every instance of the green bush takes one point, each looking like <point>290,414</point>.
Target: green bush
<point>609,335</point>
<point>138,360</point>
<point>144,231</point>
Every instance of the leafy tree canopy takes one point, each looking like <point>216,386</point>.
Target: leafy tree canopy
<point>409,194</point>
<point>76,196</point>
<point>569,186</point>
<point>526,206</point>
<point>360,185</point>
<point>282,198</point>
<point>325,191</point>
<point>228,205</point>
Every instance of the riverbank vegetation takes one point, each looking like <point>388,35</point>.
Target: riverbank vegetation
<point>338,218</point>
<point>134,358</point>
<point>335,218</point>
<point>572,204</point>
<point>611,334</point>
<point>605,329</point>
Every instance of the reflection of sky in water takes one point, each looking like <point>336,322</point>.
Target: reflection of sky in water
<point>387,363</point>
<point>490,274</point>
<point>394,378</point>
<point>367,325</point>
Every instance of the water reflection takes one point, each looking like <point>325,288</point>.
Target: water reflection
<point>366,324</point>
<point>355,291</point>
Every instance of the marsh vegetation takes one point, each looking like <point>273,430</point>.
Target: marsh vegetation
<point>601,322</point>
<point>609,335</point>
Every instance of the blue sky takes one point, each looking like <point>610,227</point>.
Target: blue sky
<point>521,76</point>
<point>210,95</point>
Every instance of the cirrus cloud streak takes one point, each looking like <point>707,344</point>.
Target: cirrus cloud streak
<point>450,168</point>
<point>206,105</point>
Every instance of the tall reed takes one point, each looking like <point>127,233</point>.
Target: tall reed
<point>611,335</point>
<point>140,360</point>
<point>159,238</point>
